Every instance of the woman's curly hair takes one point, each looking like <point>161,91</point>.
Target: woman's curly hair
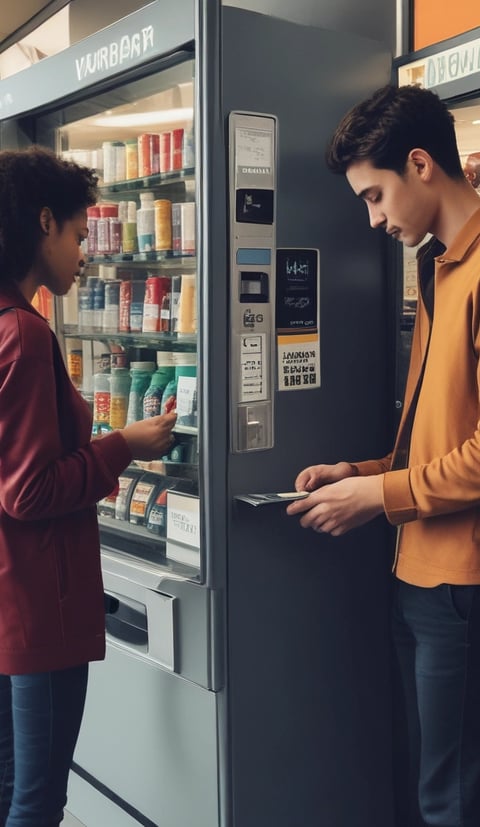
<point>31,179</point>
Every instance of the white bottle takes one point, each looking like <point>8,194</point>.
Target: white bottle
<point>146,223</point>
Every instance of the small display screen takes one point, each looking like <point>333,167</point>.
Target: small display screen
<point>253,286</point>
<point>254,206</point>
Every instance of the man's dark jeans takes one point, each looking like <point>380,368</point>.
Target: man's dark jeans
<point>437,640</point>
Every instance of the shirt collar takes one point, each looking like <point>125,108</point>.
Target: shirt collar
<point>462,242</point>
<point>12,296</point>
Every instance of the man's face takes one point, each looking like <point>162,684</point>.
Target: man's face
<point>401,205</point>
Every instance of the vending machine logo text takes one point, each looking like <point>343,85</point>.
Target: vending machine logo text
<point>117,53</point>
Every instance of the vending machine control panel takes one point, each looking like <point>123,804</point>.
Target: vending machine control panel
<point>252,181</point>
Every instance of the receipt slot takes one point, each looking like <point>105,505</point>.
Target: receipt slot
<point>252,176</point>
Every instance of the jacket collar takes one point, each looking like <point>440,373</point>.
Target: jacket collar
<point>12,296</point>
<point>462,242</point>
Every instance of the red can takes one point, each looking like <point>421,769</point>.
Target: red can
<point>148,154</point>
<point>165,151</point>
<point>156,287</point>
<point>125,305</point>
<point>177,149</point>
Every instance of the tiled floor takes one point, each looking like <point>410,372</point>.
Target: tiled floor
<point>71,821</point>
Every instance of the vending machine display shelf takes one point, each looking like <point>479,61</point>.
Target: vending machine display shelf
<point>116,540</point>
<point>172,257</point>
<point>159,341</point>
<point>148,182</point>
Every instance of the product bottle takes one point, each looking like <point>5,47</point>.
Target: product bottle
<point>188,148</point>
<point>93,214</point>
<point>165,372</point>
<point>146,223</point>
<point>186,393</point>
<point>111,311</point>
<point>108,230</point>
<point>129,229</point>
<point>187,307</point>
<point>75,361</point>
<point>101,402</point>
<point>163,224</point>
<point>119,396</point>
<point>131,158</point>
<point>165,151</point>
<point>156,287</point>
<point>185,365</point>
<point>109,162</point>
<point>165,314</point>
<point>141,375</point>
<point>136,306</point>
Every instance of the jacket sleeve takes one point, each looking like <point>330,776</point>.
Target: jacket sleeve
<point>370,467</point>
<point>38,478</point>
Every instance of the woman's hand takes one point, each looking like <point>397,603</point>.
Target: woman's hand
<point>150,438</point>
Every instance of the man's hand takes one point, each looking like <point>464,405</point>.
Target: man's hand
<point>340,506</point>
<point>316,475</point>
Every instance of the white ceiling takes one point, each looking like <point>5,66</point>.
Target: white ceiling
<point>16,14</point>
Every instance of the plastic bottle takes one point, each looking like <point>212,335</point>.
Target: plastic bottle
<point>187,307</point>
<point>177,148</point>
<point>75,361</point>
<point>141,375</point>
<point>188,148</point>
<point>120,161</point>
<point>129,229</point>
<point>165,314</point>
<point>108,233</point>
<point>109,162</point>
<point>101,400</point>
<point>163,224</point>
<point>136,306</point>
<point>165,151</point>
<point>131,158</point>
<point>93,214</point>
<point>185,365</point>
<point>186,395</point>
<point>119,395</point>
<point>156,287</point>
<point>146,223</point>
<point>165,372</point>
<point>111,311</point>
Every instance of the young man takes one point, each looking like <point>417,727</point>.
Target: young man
<point>398,151</point>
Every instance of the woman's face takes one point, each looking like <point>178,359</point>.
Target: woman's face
<point>59,256</point>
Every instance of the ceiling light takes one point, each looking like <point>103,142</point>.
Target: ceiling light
<point>145,118</point>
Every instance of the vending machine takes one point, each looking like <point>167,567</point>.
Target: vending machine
<point>228,274</point>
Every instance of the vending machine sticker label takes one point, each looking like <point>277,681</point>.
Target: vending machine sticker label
<point>297,319</point>
<point>298,362</point>
<point>253,368</point>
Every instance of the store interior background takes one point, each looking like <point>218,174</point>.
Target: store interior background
<point>32,29</point>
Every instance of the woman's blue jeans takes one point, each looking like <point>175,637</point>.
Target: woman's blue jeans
<point>437,641</point>
<point>40,718</point>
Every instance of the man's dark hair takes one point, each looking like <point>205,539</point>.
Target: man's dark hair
<point>31,179</point>
<point>385,127</point>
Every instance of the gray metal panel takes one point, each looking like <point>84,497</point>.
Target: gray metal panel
<point>151,32</point>
<point>308,615</point>
<point>148,738</point>
<point>184,620</point>
<point>370,18</point>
